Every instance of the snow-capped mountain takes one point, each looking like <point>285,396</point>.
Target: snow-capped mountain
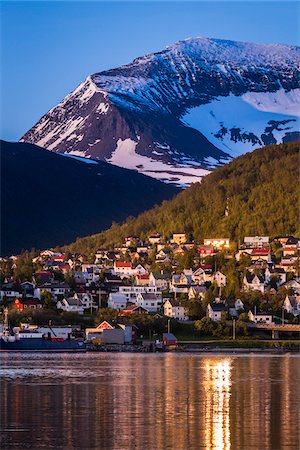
<point>176,114</point>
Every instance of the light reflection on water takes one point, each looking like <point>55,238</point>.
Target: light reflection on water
<point>159,402</point>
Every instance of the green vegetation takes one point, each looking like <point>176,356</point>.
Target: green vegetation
<point>260,189</point>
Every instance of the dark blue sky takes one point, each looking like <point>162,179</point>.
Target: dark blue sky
<point>48,48</point>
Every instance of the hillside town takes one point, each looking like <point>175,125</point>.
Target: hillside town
<point>148,286</point>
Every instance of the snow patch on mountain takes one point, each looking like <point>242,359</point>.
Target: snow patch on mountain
<point>241,124</point>
<point>280,102</point>
<point>125,156</point>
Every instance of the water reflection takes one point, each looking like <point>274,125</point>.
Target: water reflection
<point>159,402</point>
<point>217,385</point>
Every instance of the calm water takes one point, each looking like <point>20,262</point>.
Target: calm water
<point>159,402</point>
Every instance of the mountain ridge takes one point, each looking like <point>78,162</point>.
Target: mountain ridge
<point>176,114</point>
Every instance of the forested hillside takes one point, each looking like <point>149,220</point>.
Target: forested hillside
<point>256,194</point>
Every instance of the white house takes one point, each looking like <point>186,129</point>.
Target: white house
<point>260,317</point>
<point>86,300</point>
<point>291,304</point>
<point>172,308</point>
<point>149,301</point>
<point>70,305</point>
<point>123,268</point>
<point>253,282</point>
<point>219,278</point>
<point>256,241</point>
<point>131,292</point>
<point>116,300</point>
<point>214,311</point>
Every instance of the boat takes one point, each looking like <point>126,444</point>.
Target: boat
<point>31,340</point>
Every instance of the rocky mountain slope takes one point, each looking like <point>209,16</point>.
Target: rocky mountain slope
<point>49,199</point>
<point>178,113</point>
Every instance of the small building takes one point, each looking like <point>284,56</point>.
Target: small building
<point>256,241</point>
<point>142,280</point>
<point>206,250</point>
<point>169,340</point>
<point>196,292</point>
<point>116,300</point>
<point>260,253</point>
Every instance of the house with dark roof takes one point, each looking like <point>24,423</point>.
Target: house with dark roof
<point>252,282</point>
<point>214,311</point>
<point>149,301</point>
